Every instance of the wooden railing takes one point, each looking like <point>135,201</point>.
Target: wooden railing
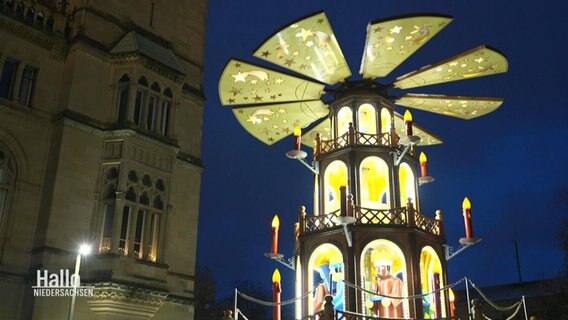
<point>353,137</point>
<point>405,217</point>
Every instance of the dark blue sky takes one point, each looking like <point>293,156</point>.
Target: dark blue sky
<point>510,163</point>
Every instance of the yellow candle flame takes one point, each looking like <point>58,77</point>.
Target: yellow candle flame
<point>466,204</point>
<point>452,295</point>
<point>276,276</point>
<point>423,158</point>
<point>275,222</point>
<point>297,131</point>
<point>407,116</point>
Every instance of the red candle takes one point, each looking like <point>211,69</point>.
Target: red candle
<point>408,122</point>
<point>297,137</point>
<point>276,290</point>
<point>423,159</point>
<point>466,206</point>
<point>275,227</point>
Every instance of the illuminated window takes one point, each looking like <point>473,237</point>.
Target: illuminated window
<point>406,184</point>
<point>344,117</point>
<point>138,233</point>
<point>335,177</point>
<point>367,119</point>
<point>374,183</point>
<point>383,271</point>
<point>431,279</point>
<point>325,277</point>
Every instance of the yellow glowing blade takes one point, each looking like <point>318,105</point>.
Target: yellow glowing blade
<point>427,138</point>
<point>323,128</point>
<point>245,83</point>
<point>308,47</point>
<point>478,62</point>
<point>459,107</point>
<point>272,123</point>
<point>391,42</point>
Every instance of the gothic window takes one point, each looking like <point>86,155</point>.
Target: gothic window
<point>139,100</point>
<point>40,18</point>
<point>385,120</point>
<point>7,178</point>
<point>26,85</point>
<point>165,112</point>
<point>136,226</point>
<point>123,84</point>
<point>7,78</point>
<point>110,185</point>
<point>152,107</point>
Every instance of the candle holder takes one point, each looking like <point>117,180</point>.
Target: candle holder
<point>464,244</point>
<point>296,154</point>
<point>278,257</point>
<point>344,221</point>
<point>425,179</point>
<point>409,140</point>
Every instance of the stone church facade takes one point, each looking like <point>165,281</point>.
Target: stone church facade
<point>101,109</point>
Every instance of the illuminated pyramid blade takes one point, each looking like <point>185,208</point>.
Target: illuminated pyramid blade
<point>308,47</point>
<point>273,122</point>
<point>427,139</point>
<point>245,83</point>
<point>323,128</point>
<point>459,107</point>
<point>390,42</point>
<point>478,62</point>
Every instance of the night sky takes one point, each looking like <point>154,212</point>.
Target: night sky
<point>510,163</point>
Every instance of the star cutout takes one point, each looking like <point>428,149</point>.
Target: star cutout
<point>289,62</point>
<point>265,131</point>
<point>320,20</point>
<point>272,97</point>
<point>240,77</point>
<point>279,81</point>
<point>253,81</point>
<point>395,29</point>
<point>304,34</point>
<point>235,91</point>
<point>254,120</point>
<point>270,140</point>
<point>309,44</point>
<point>479,60</point>
<point>231,100</point>
<point>283,46</point>
<point>378,29</point>
<point>453,64</point>
<point>266,53</point>
<point>303,66</point>
<point>257,98</point>
<point>237,65</point>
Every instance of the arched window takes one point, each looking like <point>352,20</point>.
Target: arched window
<point>138,223</point>
<point>153,107</point>
<point>406,184</point>
<point>335,177</point>
<point>40,18</point>
<point>30,14</point>
<point>374,183</point>
<point>383,271</point>
<point>165,112</point>
<point>344,117</point>
<point>367,119</point>
<point>139,100</point>
<point>7,179</point>
<point>431,278</point>
<point>123,85</point>
<point>325,272</point>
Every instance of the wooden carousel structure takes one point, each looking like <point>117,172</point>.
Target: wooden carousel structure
<point>367,245</point>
